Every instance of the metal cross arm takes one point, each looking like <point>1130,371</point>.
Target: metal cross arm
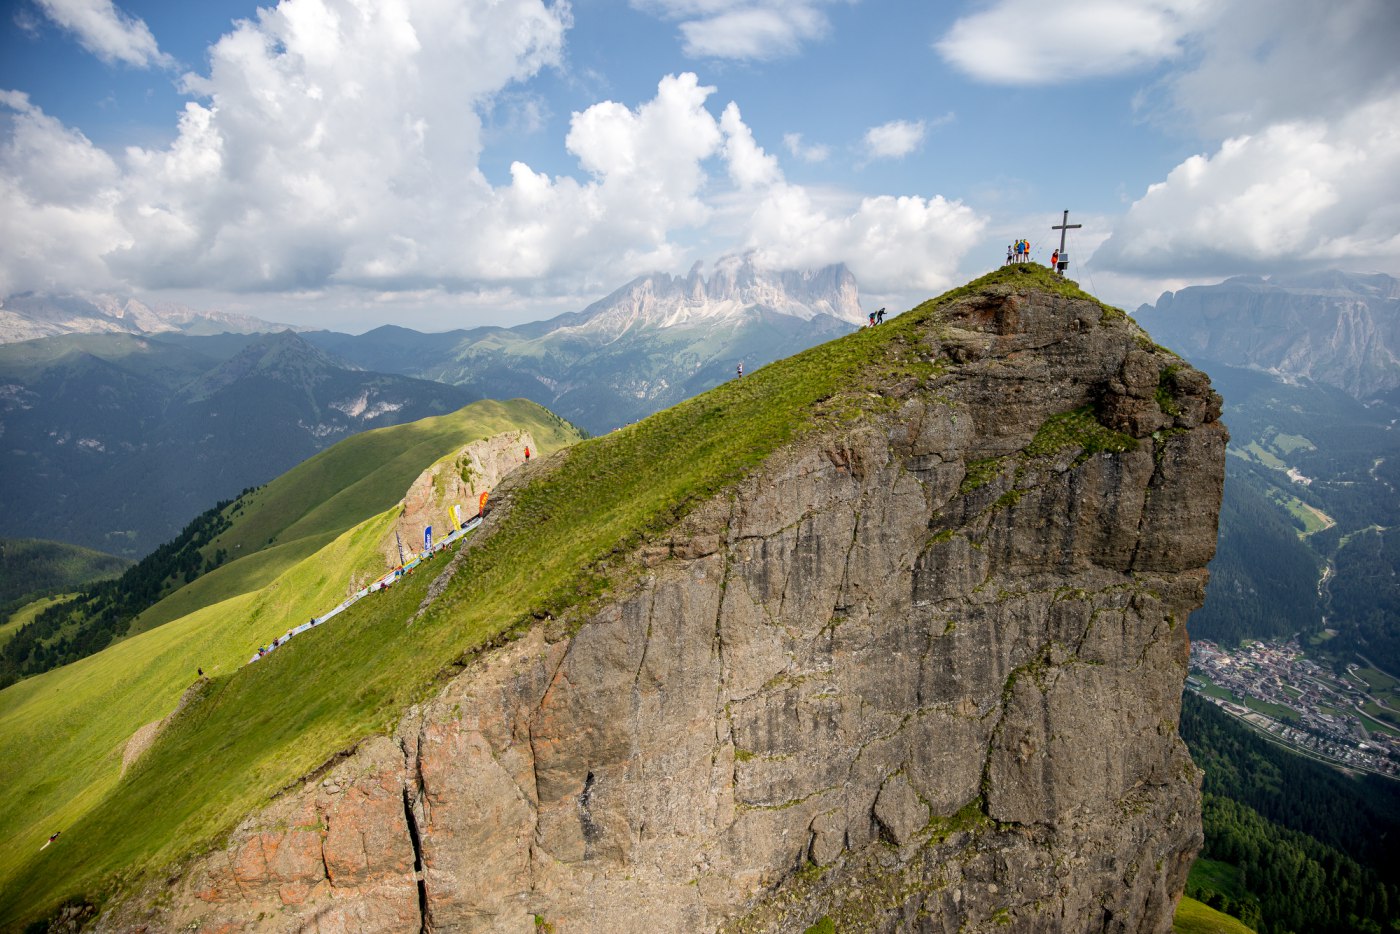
<point>1063,226</point>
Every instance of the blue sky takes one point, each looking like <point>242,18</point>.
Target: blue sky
<point>442,164</point>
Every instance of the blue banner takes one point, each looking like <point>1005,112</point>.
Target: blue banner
<point>428,538</point>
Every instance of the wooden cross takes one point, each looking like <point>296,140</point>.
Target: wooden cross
<point>1063,226</point>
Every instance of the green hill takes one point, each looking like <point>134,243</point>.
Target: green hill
<point>247,542</point>
<point>251,731</point>
<point>289,519</point>
<point>1192,917</point>
<point>31,567</point>
<point>62,733</point>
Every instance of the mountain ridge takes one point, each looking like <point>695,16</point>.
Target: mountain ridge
<point>651,343</point>
<point>150,433</point>
<point>31,315</point>
<point>1340,329</point>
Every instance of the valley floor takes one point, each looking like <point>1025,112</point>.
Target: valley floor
<point>1348,721</point>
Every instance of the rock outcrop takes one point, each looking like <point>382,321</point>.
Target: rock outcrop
<point>456,480</point>
<point>921,673</point>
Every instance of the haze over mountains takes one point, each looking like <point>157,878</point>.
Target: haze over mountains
<point>115,440</point>
<point>650,344</point>
<point>31,315</point>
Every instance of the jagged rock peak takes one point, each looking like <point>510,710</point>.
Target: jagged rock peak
<point>31,315</point>
<point>736,287</point>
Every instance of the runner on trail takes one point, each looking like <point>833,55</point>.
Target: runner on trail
<point>872,319</point>
<point>527,452</point>
<point>52,838</point>
<point>740,368</point>
<point>880,316</point>
<point>1009,253</point>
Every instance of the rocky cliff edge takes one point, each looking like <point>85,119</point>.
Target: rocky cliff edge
<point>920,672</point>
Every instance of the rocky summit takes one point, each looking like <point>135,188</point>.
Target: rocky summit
<point>919,670</point>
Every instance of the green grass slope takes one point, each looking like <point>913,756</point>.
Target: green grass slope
<point>62,733</point>
<point>26,613</point>
<point>303,510</point>
<point>255,730</point>
<point>70,726</point>
<point>1192,917</point>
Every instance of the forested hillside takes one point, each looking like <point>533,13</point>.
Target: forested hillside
<point>103,611</point>
<point>32,570</point>
<point>1290,844</point>
<point>1263,581</point>
<point>1366,593</point>
<point>30,567</point>
<point>1310,491</point>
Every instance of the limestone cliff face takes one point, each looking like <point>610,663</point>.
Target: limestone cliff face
<point>922,674</point>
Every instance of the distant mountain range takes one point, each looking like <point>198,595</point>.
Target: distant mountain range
<point>32,315</point>
<point>1339,329</point>
<point>114,441</point>
<point>650,344</point>
<point>1310,526</point>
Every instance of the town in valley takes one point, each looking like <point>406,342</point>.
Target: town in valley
<point>1350,720</point>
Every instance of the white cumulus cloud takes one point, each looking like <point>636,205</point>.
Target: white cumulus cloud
<point>1027,42</point>
<point>1312,192</point>
<point>890,244</point>
<point>57,197</point>
<point>1259,62</point>
<point>334,147</point>
<point>749,165</point>
<point>107,32</point>
<point>894,140</point>
<point>744,29</point>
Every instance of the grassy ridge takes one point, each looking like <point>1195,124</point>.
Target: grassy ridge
<point>293,516</point>
<point>258,729</point>
<point>62,733</point>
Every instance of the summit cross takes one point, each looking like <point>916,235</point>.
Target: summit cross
<point>1063,226</point>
